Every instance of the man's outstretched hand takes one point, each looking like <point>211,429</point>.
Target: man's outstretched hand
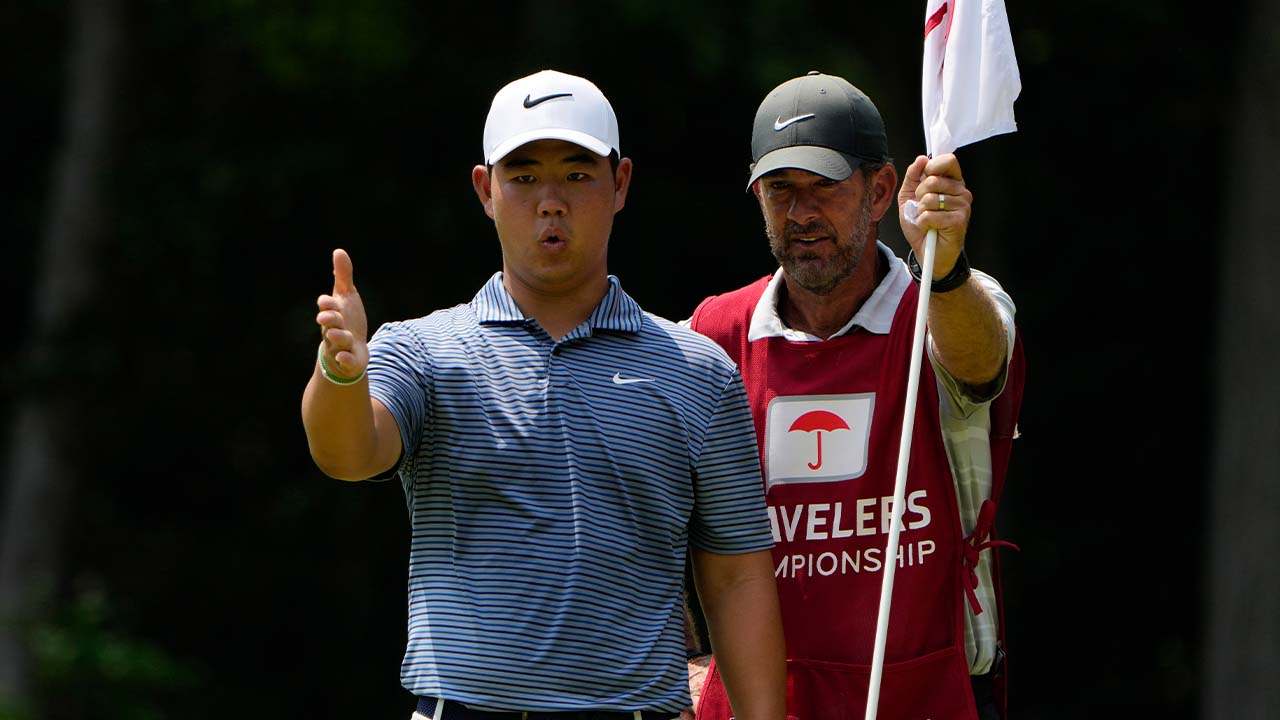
<point>343,325</point>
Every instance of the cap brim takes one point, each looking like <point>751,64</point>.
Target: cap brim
<point>824,161</point>
<point>576,137</point>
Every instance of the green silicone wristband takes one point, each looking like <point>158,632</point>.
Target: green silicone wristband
<point>324,370</point>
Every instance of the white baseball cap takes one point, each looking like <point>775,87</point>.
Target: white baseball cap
<point>550,105</point>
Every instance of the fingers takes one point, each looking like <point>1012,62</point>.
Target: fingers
<point>942,202</point>
<point>911,179</point>
<point>343,284</point>
<point>944,199</point>
<point>343,325</point>
<point>943,207</point>
<point>339,339</point>
<point>687,714</point>
<point>944,165</point>
<point>333,326</point>
<point>340,346</point>
<point>339,342</point>
<point>958,200</point>
<point>347,356</point>
<point>343,310</point>
<point>328,302</point>
<point>330,315</point>
<point>951,192</point>
<point>940,175</point>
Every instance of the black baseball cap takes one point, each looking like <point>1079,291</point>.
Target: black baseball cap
<point>820,123</point>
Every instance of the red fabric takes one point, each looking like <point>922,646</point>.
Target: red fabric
<point>1004,427</point>
<point>831,529</point>
<point>975,543</point>
<point>933,687</point>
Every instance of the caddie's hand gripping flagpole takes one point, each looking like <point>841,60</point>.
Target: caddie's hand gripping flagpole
<point>969,82</point>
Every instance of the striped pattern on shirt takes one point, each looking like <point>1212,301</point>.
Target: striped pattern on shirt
<point>553,489</point>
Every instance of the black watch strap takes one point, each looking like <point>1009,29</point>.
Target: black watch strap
<point>954,279</point>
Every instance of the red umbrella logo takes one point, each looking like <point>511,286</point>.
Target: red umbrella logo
<point>818,421</point>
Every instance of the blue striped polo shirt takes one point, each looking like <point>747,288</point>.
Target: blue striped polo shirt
<point>553,489</point>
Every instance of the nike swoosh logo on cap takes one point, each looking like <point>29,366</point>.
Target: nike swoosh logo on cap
<point>781,124</point>
<point>530,102</point>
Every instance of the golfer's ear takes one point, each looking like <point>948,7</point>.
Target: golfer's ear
<point>482,181</point>
<point>621,182</point>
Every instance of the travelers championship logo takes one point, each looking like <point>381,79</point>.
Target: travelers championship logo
<point>822,439</point>
<point>817,438</point>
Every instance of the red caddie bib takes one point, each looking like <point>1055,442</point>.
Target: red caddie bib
<point>828,419</point>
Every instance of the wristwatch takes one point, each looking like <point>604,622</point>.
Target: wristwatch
<point>954,279</point>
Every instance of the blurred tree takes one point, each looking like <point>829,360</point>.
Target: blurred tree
<point>1242,636</point>
<point>317,44</point>
<point>41,478</point>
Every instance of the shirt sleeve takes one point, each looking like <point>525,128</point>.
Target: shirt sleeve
<point>959,399</point>
<point>400,378</point>
<point>729,515</point>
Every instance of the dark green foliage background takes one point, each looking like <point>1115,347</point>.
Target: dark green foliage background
<point>214,572</point>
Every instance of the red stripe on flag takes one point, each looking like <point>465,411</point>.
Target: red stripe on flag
<point>934,20</point>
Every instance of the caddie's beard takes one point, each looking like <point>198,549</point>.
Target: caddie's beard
<point>810,270</point>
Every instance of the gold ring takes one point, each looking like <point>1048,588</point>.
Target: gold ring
<point>942,201</point>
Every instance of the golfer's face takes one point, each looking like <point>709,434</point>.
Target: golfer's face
<point>553,205</point>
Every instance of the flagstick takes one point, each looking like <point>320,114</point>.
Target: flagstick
<point>900,483</point>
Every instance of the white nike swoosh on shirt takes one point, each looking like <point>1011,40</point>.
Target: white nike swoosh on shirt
<point>619,380</point>
<point>779,124</point>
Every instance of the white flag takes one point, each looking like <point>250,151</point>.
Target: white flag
<point>970,73</point>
